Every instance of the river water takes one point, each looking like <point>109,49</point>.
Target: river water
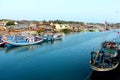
<point>66,59</point>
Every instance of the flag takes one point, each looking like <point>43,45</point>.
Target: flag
<point>118,32</point>
<point>106,23</point>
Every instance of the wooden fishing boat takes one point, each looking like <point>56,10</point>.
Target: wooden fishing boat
<point>24,42</point>
<point>107,58</point>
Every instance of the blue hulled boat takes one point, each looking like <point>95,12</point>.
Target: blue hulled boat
<point>52,37</point>
<point>24,42</point>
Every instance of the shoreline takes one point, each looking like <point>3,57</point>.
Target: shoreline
<point>33,32</point>
<point>15,32</point>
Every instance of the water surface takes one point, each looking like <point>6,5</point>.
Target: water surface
<point>66,59</point>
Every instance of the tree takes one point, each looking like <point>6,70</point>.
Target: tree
<point>66,30</point>
<point>10,23</point>
<point>40,31</point>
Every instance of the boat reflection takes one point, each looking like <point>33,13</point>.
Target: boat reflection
<point>19,49</point>
<point>29,48</point>
<point>52,42</point>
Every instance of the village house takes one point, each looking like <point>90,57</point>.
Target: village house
<point>59,27</point>
<point>19,27</point>
<point>3,22</point>
<point>93,27</point>
<point>40,26</point>
<point>75,27</point>
<point>84,26</point>
<point>3,25</point>
<point>46,26</point>
<point>3,28</point>
<point>78,27</point>
<point>100,27</point>
<point>33,25</point>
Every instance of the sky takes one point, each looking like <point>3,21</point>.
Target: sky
<point>96,11</point>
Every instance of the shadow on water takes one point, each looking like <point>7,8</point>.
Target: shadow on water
<point>18,49</point>
<point>110,75</point>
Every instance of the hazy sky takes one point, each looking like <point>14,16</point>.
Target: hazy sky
<point>70,10</point>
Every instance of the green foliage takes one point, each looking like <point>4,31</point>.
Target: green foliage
<point>39,31</point>
<point>10,23</point>
<point>66,30</point>
<point>64,22</point>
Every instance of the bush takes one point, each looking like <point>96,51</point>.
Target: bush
<point>10,23</point>
<point>39,31</point>
<point>66,30</point>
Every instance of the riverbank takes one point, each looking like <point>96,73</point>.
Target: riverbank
<point>16,32</point>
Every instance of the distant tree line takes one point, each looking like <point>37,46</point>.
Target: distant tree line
<point>65,22</point>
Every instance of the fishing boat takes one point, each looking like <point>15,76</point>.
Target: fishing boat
<point>57,37</point>
<point>48,37</point>
<point>2,44</point>
<point>106,58</point>
<point>52,37</point>
<point>24,42</point>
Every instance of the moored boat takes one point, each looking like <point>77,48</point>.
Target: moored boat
<point>57,37</point>
<point>107,58</point>
<point>24,42</point>
<point>52,37</point>
<point>48,37</point>
<point>2,44</point>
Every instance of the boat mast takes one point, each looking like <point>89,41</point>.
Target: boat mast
<point>105,24</point>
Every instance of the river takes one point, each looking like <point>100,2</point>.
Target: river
<point>66,59</point>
